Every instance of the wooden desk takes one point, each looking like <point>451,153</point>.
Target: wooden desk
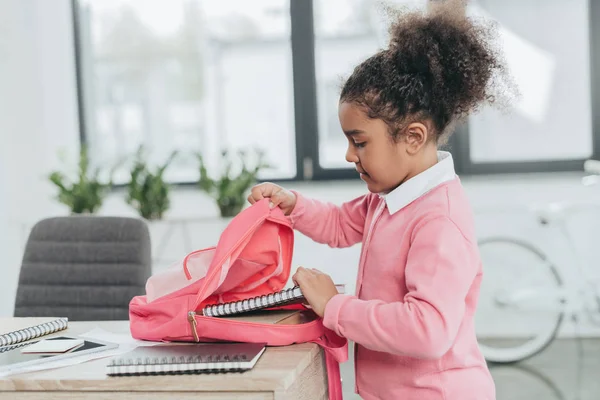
<point>295,372</point>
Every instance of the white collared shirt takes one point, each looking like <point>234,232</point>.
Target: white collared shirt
<point>422,183</point>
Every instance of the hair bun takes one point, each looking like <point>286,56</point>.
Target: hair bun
<point>439,65</point>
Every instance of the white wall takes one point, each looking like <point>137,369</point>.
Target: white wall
<point>39,117</point>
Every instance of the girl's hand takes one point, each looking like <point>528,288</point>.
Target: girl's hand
<point>279,196</point>
<point>317,288</point>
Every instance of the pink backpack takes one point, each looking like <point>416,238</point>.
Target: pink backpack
<point>252,258</point>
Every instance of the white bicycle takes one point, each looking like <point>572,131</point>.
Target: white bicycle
<point>525,296</point>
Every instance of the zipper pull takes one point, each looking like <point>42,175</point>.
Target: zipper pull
<point>192,319</point>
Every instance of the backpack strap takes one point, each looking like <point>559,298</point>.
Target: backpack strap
<point>334,378</point>
<point>336,352</point>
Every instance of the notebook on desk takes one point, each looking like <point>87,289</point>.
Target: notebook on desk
<point>22,329</point>
<point>187,358</point>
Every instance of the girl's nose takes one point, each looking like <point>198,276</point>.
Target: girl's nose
<point>351,156</point>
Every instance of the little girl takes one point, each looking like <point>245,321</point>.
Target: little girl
<point>419,272</point>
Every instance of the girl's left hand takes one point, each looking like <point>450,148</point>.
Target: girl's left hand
<point>317,288</point>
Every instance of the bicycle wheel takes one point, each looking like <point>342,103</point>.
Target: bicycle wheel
<point>522,382</point>
<point>519,309</point>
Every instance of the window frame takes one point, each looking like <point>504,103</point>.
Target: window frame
<point>306,118</point>
<point>459,143</point>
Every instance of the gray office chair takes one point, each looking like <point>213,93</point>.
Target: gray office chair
<point>86,268</point>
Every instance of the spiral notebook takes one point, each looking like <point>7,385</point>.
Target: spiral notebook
<point>291,295</point>
<point>29,331</point>
<point>187,359</point>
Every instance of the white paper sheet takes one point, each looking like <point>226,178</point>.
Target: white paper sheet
<point>126,344</point>
<point>118,338</point>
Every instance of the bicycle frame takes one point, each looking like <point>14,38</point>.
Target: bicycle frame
<point>568,295</point>
<point>577,293</point>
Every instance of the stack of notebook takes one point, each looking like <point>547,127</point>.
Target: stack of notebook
<point>289,296</point>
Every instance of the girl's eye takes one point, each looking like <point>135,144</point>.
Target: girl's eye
<point>359,145</point>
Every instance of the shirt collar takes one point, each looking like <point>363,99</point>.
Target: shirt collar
<point>422,183</point>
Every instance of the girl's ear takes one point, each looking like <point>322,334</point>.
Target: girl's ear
<point>416,136</point>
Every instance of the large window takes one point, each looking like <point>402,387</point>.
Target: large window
<point>188,75</point>
<point>549,48</point>
<point>201,76</point>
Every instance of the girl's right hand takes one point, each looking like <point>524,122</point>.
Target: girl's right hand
<point>279,196</point>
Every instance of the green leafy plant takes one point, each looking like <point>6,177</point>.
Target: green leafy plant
<point>229,189</point>
<point>147,191</point>
<point>86,193</point>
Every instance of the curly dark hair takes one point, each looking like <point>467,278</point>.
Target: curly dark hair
<point>439,67</point>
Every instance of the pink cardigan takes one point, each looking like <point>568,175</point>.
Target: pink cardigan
<point>416,293</point>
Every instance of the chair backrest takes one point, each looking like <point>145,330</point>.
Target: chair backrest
<point>84,268</point>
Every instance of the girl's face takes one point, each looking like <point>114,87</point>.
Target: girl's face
<point>382,162</point>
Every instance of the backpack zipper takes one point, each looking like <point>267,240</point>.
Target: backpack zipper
<point>192,319</point>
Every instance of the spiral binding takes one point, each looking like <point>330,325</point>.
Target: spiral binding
<point>256,303</point>
<point>4,349</point>
<point>177,365</point>
<point>33,332</point>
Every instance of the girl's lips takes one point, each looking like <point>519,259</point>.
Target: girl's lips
<point>362,173</point>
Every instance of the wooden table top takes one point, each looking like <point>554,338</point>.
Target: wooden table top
<point>277,369</point>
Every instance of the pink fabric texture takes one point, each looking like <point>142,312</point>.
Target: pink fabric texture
<point>253,257</point>
<point>416,292</point>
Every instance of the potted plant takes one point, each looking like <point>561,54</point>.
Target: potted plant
<point>229,189</point>
<point>147,190</point>
<point>86,192</point>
